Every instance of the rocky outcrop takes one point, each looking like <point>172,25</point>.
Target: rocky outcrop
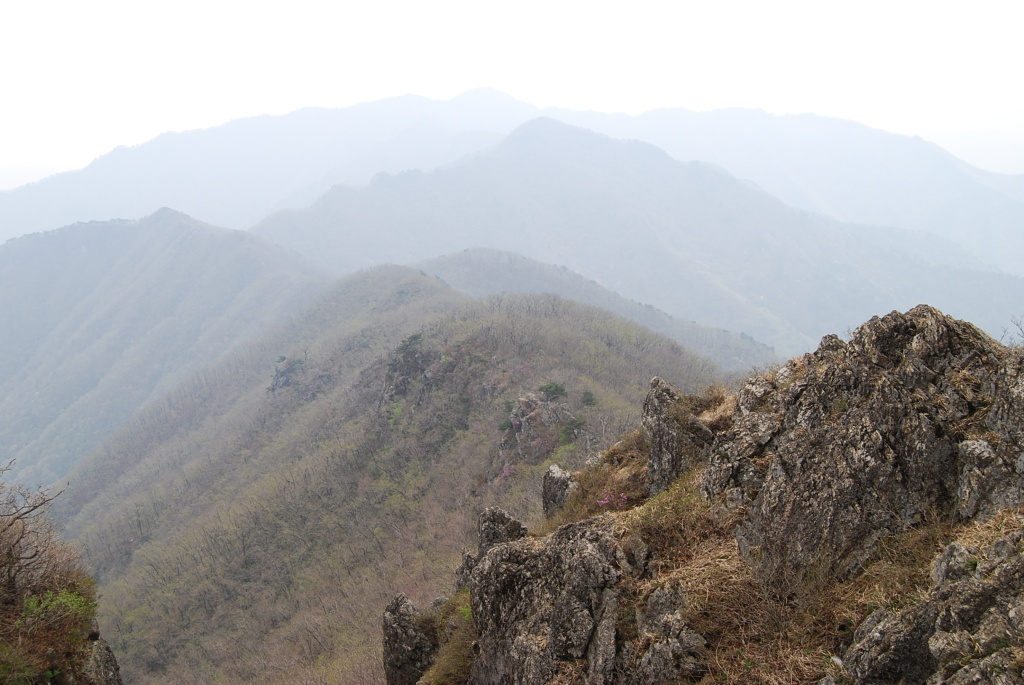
<point>494,527</point>
<point>678,440</point>
<point>544,606</point>
<point>102,668</point>
<point>968,629</point>
<point>408,649</point>
<point>558,485</point>
<point>917,416</point>
<point>551,607</point>
<point>535,426</point>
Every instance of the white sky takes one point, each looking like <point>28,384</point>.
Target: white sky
<point>78,78</point>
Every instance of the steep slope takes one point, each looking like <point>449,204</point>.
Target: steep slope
<point>851,517</point>
<point>100,318</point>
<point>232,175</point>
<point>480,272</point>
<point>247,527</point>
<point>686,238</point>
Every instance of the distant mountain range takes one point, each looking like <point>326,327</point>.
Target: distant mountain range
<point>689,239</point>
<point>235,174</point>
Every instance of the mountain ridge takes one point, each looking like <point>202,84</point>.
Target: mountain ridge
<point>106,316</point>
<point>648,227</point>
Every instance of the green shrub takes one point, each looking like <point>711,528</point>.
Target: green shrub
<point>452,623</point>
<point>552,391</point>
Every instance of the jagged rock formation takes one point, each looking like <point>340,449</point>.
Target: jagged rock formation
<point>541,604</point>
<point>678,440</point>
<point>558,485</point>
<point>102,667</point>
<point>918,420</point>
<point>533,428</point>
<point>494,527</point>
<point>969,629</point>
<point>408,649</point>
<point>918,415</point>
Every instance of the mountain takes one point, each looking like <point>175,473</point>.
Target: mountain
<point>233,175</point>
<point>247,526</point>
<point>853,516</point>
<point>100,318</point>
<point>481,272</point>
<point>687,238</point>
<point>842,169</point>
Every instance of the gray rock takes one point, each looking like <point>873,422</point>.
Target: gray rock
<point>540,604</point>
<point>918,413</point>
<point>408,649</point>
<point>558,486</point>
<point>967,630</point>
<point>678,440</point>
<point>496,527</point>
<point>102,667</point>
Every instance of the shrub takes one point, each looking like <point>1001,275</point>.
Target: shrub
<point>452,623</point>
<point>47,601</point>
<point>552,391</point>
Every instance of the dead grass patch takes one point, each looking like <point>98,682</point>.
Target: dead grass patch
<point>980,535</point>
<point>616,483</point>
<point>714,407</point>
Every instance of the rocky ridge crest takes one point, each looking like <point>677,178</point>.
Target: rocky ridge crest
<point>808,476</point>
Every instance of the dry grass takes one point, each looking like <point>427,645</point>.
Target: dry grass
<point>755,633</point>
<point>616,483</point>
<point>570,673</point>
<point>980,535</point>
<point>714,407</point>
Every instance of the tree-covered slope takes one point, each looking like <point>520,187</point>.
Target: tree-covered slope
<point>481,272</point>
<point>248,527</point>
<point>686,238</point>
<point>101,317</point>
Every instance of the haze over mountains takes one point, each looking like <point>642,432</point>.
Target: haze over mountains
<point>687,238</point>
<point>691,239</point>
<point>102,317</point>
<point>267,430</point>
<point>235,174</point>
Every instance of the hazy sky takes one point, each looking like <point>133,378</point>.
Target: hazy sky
<point>79,78</point>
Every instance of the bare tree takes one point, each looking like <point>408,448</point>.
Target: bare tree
<point>46,599</point>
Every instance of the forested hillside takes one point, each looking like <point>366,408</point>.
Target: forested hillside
<point>481,272</point>
<point>100,318</point>
<point>686,238</point>
<point>251,526</point>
